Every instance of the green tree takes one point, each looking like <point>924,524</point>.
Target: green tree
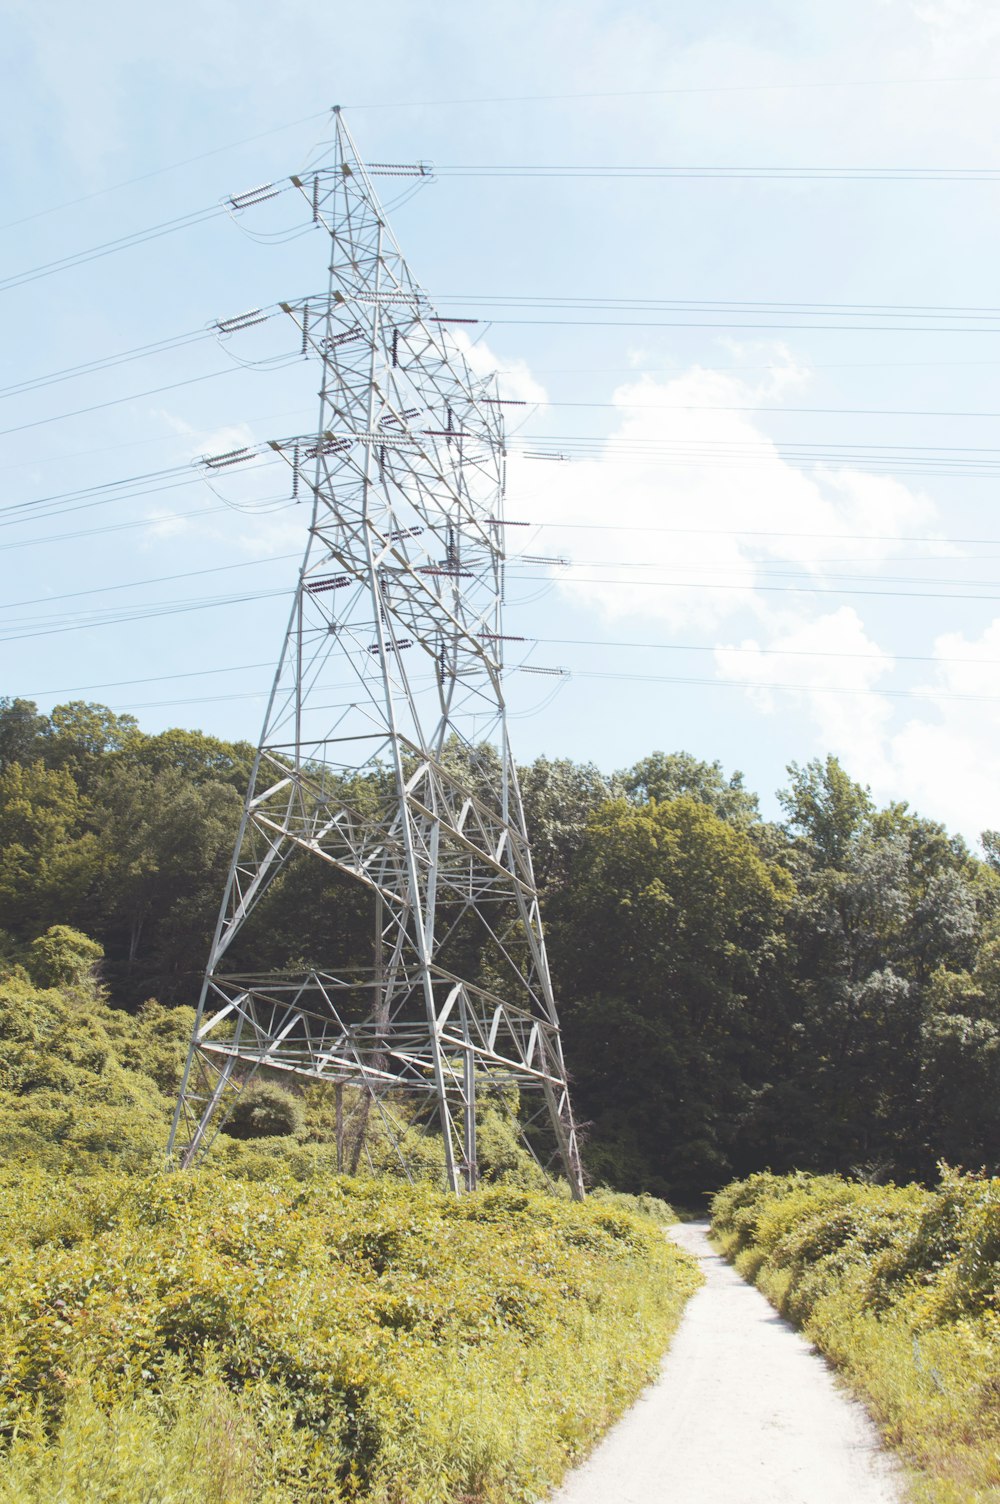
<point>827,807</point>
<point>48,861</point>
<point>83,734</point>
<point>165,844</point>
<point>22,732</point>
<point>666,930</point>
<point>265,1110</point>
<point>64,957</point>
<point>664,776</point>
<point>558,795</point>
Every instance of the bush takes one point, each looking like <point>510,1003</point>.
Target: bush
<point>900,1286</point>
<point>64,957</point>
<point>265,1110</point>
<point>274,1340</point>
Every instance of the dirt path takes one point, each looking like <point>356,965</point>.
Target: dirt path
<point>744,1412</point>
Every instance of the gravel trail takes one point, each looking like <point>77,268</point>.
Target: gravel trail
<point>744,1412</point>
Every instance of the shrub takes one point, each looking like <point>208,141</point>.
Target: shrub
<point>296,1342</point>
<point>64,957</point>
<point>900,1286</point>
<point>265,1110</point>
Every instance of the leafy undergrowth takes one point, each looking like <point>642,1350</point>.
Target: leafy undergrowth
<point>900,1287</point>
<point>169,1338</point>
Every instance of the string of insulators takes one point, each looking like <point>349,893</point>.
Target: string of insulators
<point>258,195</point>
<point>453,573</point>
<point>404,532</point>
<point>334,341</point>
<point>241,321</point>
<point>398,169</point>
<point>328,444</point>
<point>231,457</point>
<point>499,637</point>
<point>505,522</point>
<point>529,668</point>
<point>333,582</point>
<point>390,420</point>
<point>396,646</point>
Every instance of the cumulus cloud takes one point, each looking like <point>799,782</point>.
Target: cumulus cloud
<point>948,757</point>
<point>832,667</point>
<point>692,518</point>
<point>514,378</point>
<point>689,508</point>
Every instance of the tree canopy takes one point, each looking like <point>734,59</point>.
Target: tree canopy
<point>823,993</point>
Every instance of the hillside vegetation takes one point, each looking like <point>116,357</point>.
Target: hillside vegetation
<point>264,1330</point>
<point>819,994</point>
<point>204,1338</point>
<point>900,1287</point>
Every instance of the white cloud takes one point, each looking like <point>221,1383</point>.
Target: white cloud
<point>948,760</point>
<point>829,668</point>
<point>514,378</point>
<point>656,537</point>
<point>689,509</point>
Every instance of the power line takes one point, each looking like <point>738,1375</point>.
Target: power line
<point>117,618</point>
<point>156,172</point>
<point>753,588</point>
<point>109,247</point>
<point>162,579</point>
<point>114,616</point>
<point>197,673</point>
<point>745,532</point>
<point>105,362</point>
<point>773,325</point>
<point>647,172</point>
<point>618,677</point>
<point>95,407</point>
<point>587,642</point>
<point>117,527</point>
<point>722,305</point>
<point>771,569</point>
<point>814,689</point>
<point>698,647</point>
<point>87,491</point>
<point>754,564</point>
<point>755,407</point>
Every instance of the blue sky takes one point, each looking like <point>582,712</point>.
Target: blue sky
<point>766,509</point>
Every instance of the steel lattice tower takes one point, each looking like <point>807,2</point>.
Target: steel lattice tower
<point>400,593</point>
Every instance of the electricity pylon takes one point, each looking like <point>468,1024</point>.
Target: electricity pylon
<point>407,782</point>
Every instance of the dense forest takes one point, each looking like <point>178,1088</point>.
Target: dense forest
<point>821,993</point>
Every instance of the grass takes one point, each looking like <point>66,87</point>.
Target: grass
<point>900,1287</point>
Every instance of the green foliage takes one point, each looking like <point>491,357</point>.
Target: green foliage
<point>22,731</point>
<point>63,957</point>
<point>343,1340</point>
<point>674,775</point>
<point>900,1287</point>
<point>46,863</point>
<point>733,993</point>
<point>265,1110</point>
<point>659,940</point>
<point>827,806</point>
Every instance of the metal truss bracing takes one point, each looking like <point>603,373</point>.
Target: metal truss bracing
<point>384,753</point>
